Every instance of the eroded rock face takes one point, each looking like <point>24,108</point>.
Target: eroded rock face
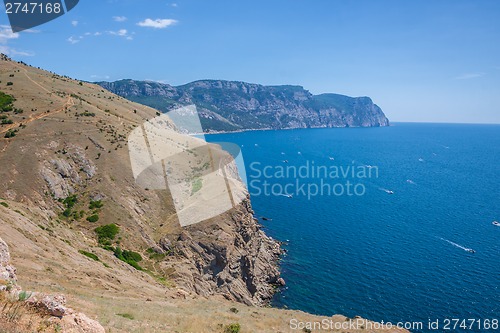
<point>7,272</point>
<point>231,257</point>
<point>80,323</point>
<point>54,305</point>
<point>63,175</point>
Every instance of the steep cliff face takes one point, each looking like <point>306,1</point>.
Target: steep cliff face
<point>235,259</point>
<point>231,105</point>
<point>69,150</point>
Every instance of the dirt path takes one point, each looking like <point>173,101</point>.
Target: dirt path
<point>67,104</point>
<point>34,82</point>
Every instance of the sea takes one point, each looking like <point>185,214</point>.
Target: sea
<point>392,224</point>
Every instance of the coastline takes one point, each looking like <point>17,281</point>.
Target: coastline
<point>282,129</point>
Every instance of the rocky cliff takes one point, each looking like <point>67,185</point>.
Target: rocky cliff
<point>236,259</point>
<point>232,106</point>
<point>63,149</point>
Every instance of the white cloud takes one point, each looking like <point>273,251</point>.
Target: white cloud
<point>13,52</point>
<point>157,24</point>
<point>174,4</point>
<point>73,40</point>
<point>119,18</point>
<point>121,33</point>
<point>468,76</point>
<point>74,23</point>
<point>6,34</point>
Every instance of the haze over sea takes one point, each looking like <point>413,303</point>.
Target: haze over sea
<point>394,257</point>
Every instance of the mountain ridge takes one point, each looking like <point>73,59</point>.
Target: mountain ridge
<point>237,105</point>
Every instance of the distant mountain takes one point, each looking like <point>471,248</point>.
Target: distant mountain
<point>232,105</point>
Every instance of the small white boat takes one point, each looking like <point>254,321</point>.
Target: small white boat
<point>496,223</point>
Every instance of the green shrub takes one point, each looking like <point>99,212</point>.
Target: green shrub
<point>10,83</point>
<point>90,255</point>
<point>232,328</point>
<point>129,257</point>
<point>107,246</point>
<point>107,232</point>
<point>196,186</point>
<point>126,315</point>
<point>70,201</point>
<point>95,204</point>
<point>6,102</point>
<point>93,218</point>
<point>10,134</point>
<point>24,295</point>
<point>134,264</point>
<point>6,205</point>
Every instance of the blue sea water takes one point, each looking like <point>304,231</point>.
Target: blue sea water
<point>391,257</point>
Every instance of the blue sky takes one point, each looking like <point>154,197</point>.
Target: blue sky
<point>430,61</point>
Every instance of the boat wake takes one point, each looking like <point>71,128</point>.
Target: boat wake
<point>386,190</point>
<point>409,181</point>
<point>458,245</point>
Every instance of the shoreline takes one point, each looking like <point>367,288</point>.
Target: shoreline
<point>282,129</point>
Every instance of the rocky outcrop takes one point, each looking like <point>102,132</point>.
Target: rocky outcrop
<point>232,257</point>
<point>7,272</point>
<point>62,174</point>
<point>68,320</point>
<point>231,105</point>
